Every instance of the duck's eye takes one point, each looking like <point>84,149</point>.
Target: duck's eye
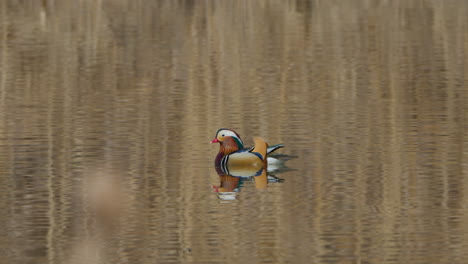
<point>222,135</point>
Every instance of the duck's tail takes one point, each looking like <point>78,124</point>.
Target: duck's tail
<point>270,149</point>
<point>260,147</point>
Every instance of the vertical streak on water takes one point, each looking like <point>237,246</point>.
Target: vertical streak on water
<point>50,179</point>
<point>145,171</point>
<point>5,180</point>
<point>462,120</point>
<point>4,47</point>
<point>391,182</point>
<point>97,7</point>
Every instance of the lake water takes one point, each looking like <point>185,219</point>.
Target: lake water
<point>107,109</point>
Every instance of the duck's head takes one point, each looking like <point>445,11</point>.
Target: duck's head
<point>228,140</point>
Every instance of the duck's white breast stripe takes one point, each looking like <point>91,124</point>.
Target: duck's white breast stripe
<point>224,162</point>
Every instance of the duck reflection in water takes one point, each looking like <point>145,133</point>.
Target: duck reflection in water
<point>236,164</point>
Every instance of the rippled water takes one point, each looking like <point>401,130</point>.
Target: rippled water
<point>107,108</point>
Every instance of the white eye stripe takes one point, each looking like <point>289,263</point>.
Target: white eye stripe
<point>227,133</point>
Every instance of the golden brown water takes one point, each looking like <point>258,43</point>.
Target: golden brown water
<point>107,108</point>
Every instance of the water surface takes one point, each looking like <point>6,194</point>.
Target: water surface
<point>107,109</point>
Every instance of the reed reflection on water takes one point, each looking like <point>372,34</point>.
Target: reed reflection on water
<point>107,108</point>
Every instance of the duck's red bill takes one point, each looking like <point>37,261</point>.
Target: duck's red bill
<point>214,140</point>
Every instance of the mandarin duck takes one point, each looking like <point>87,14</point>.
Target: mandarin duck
<point>232,155</point>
